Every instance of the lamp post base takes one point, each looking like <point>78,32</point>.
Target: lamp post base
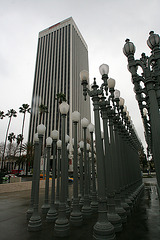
<point>51,215</point>
<point>103,230</point>
<point>29,213</point>
<point>122,213</point>
<point>76,218</point>
<point>62,227</point>
<point>45,208</point>
<point>86,211</point>
<point>35,224</point>
<point>115,220</point>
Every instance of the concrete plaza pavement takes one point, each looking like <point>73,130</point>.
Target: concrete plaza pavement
<point>144,223</point>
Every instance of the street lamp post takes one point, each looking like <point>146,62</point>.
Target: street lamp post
<point>103,228</point>
<point>62,224</point>
<point>108,114</point>
<point>35,223</point>
<point>35,167</point>
<point>86,209</point>
<point>76,215</point>
<point>150,77</point>
<point>52,213</point>
<point>46,205</point>
<point>81,202</point>
<point>59,146</point>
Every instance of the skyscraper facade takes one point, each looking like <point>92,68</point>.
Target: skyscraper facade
<point>62,54</point>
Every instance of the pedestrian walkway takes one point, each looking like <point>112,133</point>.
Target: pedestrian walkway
<point>144,223</point>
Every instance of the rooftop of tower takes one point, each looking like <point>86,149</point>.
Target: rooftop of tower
<point>60,25</point>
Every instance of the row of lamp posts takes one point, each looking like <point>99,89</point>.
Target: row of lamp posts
<point>119,182</point>
<point>147,89</point>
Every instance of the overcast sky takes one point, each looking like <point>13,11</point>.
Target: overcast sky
<point>104,24</point>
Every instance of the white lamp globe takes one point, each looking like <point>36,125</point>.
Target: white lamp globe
<point>59,144</point>
<point>84,122</point>
<point>121,101</point>
<point>84,75</point>
<point>67,138</point>
<point>104,69</point>
<point>41,129</point>
<point>49,141</point>
<point>55,134</point>
<point>116,94</point>
<point>36,139</point>
<point>68,146</point>
<point>79,151</point>
<point>91,128</point>
<point>75,116</point>
<point>145,112</point>
<point>111,83</point>
<point>88,146</point>
<point>64,108</point>
<point>81,144</point>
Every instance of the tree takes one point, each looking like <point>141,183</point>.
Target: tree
<point>61,97</point>
<point>19,140</point>
<point>10,114</point>
<point>28,150</point>
<point>11,138</point>
<point>24,109</point>
<point>2,115</point>
<point>42,110</point>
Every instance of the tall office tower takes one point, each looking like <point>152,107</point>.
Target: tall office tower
<point>61,55</point>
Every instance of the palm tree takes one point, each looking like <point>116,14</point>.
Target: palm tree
<point>11,138</point>
<point>42,110</point>
<point>19,140</point>
<point>61,97</point>
<point>24,109</point>
<point>2,115</point>
<point>28,149</point>
<point>11,113</point>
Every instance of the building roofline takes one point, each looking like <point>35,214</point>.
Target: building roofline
<point>60,25</point>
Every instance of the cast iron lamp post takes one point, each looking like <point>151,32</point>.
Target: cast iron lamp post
<point>76,215</point>
<point>94,203</point>
<point>35,223</point>
<point>81,202</point>
<point>62,224</point>
<point>46,205</point>
<point>115,152</point>
<point>35,167</point>
<point>86,209</point>
<point>52,213</point>
<point>150,77</point>
<point>111,162</point>
<point>103,229</point>
<point>59,146</point>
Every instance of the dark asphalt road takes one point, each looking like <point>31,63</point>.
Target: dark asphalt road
<point>144,223</point>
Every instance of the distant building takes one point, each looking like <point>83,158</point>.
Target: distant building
<point>61,55</point>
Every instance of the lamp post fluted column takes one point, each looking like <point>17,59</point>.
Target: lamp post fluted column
<point>62,224</point>
<point>103,229</point>
<point>76,215</point>
<point>81,201</point>
<point>35,223</point>
<point>59,146</point>
<point>86,209</point>
<point>52,213</point>
<point>35,167</point>
<point>46,205</point>
<point>94,203</point>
